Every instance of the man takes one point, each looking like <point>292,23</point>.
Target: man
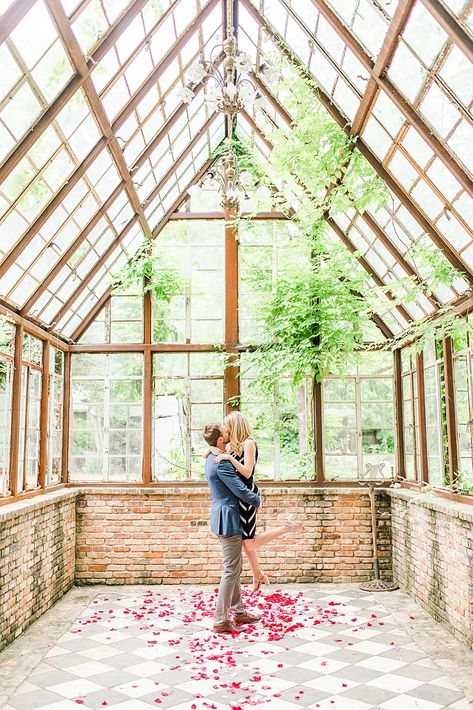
<point>226,490</point>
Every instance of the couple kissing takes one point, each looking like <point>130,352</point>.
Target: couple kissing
<point>230,464</point>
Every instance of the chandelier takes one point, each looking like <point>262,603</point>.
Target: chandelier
<point>229,90</point>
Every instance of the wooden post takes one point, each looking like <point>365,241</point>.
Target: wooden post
<point>43,427</point>
<point>317,423</point>
<point>231,376</point>
<point>15,411</point>
<point>424,460</point>
<point>147,390</point>
<point>66,414</point>
<point>399,416</point>
<point>452,433</point>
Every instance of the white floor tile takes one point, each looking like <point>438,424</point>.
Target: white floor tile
<point>85,670</point>
<point>395,683</point>
<point>408,702</point>
<point>75,688</point>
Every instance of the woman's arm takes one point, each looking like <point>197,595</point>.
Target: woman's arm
<point>246,470</point>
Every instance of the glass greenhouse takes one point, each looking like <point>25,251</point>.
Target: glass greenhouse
<point>108,371</point>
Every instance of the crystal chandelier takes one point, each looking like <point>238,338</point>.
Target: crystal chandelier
<point>229,91</point>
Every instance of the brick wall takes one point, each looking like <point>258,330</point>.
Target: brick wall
<point>154,536</point>
<point>433,557</point>
<point>37,558</point>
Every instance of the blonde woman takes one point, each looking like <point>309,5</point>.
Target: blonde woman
<point>242,452</point>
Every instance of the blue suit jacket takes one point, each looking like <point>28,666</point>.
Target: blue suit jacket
<point>226,490</point>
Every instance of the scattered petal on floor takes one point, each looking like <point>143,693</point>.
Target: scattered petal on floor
<point>311,649</point>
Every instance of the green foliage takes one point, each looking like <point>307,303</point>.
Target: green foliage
<point>145,269</point>
<point>464,482</point>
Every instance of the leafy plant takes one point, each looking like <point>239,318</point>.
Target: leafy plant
<point>146,269</point>
<point>463,482</point>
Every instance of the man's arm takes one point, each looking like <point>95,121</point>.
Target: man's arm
<point>228,476</point>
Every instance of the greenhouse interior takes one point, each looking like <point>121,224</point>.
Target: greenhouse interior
<point>236,238</point>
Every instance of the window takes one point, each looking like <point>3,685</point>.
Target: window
<point>358,418</point>
<point>7,338</point>
<point>195,250</point>
<point>282,425</point>
<point>410,416</point>
<point>463,377</point>
<point>434,408</point>
<point>55,416</point>
<point>119,321</point>
<point>30,413</point>
<point>107,412</point>
<point>187,395</point>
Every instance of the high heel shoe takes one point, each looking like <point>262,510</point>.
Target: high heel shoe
<point>261,579</point>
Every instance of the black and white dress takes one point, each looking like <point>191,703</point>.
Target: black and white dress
<point>248,512</point>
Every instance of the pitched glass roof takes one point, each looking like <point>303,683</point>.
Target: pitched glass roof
<point>97,148</point>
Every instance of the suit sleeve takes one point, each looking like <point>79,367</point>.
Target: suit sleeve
<point>228,476</point>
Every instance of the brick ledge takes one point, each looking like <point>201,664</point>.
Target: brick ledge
<point>463,511</point>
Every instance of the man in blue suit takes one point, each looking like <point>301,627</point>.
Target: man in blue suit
<point>226,490</point>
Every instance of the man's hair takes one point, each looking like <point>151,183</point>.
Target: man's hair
<point>212,433</point>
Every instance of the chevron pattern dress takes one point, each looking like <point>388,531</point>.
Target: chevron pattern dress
<point>248,512</point>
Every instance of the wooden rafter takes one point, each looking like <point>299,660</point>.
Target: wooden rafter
<point>351,247</point>
<point>438,239</point>
<point>12,16</point>
<point>101,48</point>
<point>103,300</point>
<point>79,63</point>
<point>382,63</point>
<point>451,26</point>
<point>410,113</point>
<point>374,226</point>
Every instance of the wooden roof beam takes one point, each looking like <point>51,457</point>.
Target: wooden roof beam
<point>12,16</point>
<point>66,306</point>
<point>404,107</point>
<point>382,63</point>
<point>451,26</point>
<point>104,44</point>
<point>439,240</point>
<point>64,28</point>
<point>100,304</point>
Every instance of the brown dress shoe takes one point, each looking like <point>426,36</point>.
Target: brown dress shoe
<point>225,627</point>
<point>246,618</point>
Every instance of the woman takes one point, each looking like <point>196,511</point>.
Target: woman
<point>242,452</point>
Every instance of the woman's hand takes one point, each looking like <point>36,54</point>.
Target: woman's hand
<point>206,453</point>
<point>223,457</point>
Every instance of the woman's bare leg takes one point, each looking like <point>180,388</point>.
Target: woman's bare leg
<point>252,558</point>
<point>268,536</point>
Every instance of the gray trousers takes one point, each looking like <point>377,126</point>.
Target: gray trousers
<point>229,592</point>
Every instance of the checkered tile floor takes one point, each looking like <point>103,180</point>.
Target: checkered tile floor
<point>311,650</point>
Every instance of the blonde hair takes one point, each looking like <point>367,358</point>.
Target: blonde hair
<point>239,429</point>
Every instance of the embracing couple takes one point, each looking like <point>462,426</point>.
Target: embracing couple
<point>230,464</point>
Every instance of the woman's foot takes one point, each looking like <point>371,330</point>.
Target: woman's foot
<point>262,578</point>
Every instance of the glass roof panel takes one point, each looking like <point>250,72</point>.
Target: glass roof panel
<point>138,63</point>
